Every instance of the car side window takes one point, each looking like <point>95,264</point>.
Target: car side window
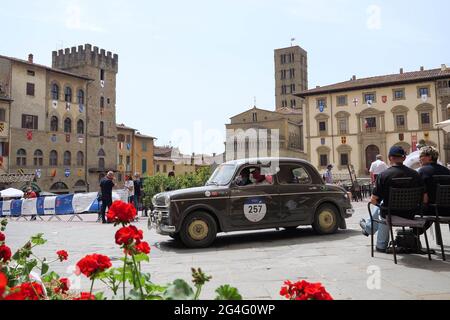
<point>254,176</point>
<point>294,175</point>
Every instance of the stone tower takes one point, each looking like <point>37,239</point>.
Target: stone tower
<point>291,76</point>
<point>102,68</point>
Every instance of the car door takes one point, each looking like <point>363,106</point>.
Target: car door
<point>255,205</point>
<point>297,193</point>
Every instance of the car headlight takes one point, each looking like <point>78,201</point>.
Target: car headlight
<point>167,200</point>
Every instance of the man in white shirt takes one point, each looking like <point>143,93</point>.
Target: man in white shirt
<point>377,168</point>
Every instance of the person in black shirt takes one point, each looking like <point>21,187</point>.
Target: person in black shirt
<point>137,191</point>
<point>381,195</point>
<point>429,159</point>
<point>106,186</point>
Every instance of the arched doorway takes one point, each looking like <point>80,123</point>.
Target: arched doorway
<point>371,155</point>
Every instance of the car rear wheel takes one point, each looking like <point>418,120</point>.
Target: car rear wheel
<point>199,230</point>
<point>326,219</point>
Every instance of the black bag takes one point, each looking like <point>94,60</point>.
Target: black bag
<point>408,241</point>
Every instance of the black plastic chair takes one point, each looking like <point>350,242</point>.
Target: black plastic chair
<point>404,199</point>
<point>442,202</point>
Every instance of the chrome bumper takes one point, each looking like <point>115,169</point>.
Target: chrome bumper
<point>156,221</point>
<point>349,213</point>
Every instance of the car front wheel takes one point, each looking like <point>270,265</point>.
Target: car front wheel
<point>199,230</point>
<point>326,220</point>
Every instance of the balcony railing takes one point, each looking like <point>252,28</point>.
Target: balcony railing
<point>371,130</point>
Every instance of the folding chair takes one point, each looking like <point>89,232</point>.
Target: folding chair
<point>405,200</point>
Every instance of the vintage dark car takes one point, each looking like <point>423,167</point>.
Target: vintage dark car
<point>252,194</point>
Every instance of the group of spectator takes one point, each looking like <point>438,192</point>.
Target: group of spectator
<point>383,176</point>
<point>133,187</point>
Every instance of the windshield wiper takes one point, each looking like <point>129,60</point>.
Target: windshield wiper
<point>213,183</point>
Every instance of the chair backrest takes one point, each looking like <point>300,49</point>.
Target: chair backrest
<point>443,195</point>
<point>404,196</point>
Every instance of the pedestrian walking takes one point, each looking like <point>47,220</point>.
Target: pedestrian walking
<point>137,197</point>
<point>377,167</point>
<point>106,185</point>
<point>129,188</point>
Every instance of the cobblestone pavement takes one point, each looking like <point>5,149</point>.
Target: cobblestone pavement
<point>257,263</point>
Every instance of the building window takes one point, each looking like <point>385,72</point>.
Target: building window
<point>102,129</point>
<point>255,117</point>
<point>158,169</point>
<point>370,97</point>
<point>29,122</point>
<point>425,120</point>
<point>80,159</point>
<point>293,103</point>
<point>341,101</point>
<point>283,74</point>
<point>371,124</point>
<point>344,159</point>
<point>80,97</point>
<point>144,146</point>
<point>101,163</point>
<point>68,94</point>
<point>292,88</point>
<point>102,74</point>
<point>67,158</point>
<point>399,94</point>
<point>120,159</point>
<point>424,91</point>
<point>68,125</point>
<point>21,159</point>
<point>80,127</point>
<point>38,158</point>
<point>102,102</point>
<point>343,126</point>
<point>323,160</point>
<point>30,89</point>
<point>164,168</point>
<point>128,139</point>
<point>55,92</point>
<point>53,160</point>
<point>283,89</point>
<point>144,166</point>
<point>54,124</point>
<point>121,138</point>
<point>2,115</point>
<point>400,122</point>
<point>292,73</point>
<point>322,126</point>
<point>31,73</point>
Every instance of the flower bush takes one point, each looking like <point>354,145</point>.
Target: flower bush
<point>19,278</point>
<point>304,290</point>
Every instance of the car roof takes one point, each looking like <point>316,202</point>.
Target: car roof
<point>266,160</point>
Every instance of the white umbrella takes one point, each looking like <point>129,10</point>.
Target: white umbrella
<point>445,125</point>
<point>11,193</point>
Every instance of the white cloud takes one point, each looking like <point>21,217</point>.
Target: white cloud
<point>374,19</point>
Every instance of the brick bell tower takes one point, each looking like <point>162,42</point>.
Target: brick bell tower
<point>102,68</point>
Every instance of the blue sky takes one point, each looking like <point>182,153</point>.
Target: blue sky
<point>186,67</point>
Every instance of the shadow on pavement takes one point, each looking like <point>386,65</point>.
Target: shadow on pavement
<point>268,238</point>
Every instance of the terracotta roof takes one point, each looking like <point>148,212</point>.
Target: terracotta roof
<point>122,126</point>
<point>47,68</point>
<point>139,135</point>
<point>386,80</point>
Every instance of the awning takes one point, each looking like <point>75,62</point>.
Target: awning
<point>445,125</point>
<point>16,178</point>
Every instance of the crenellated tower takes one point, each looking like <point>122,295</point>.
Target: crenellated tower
<point>102,67</point>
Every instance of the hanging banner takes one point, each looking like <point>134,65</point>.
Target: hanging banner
<point>53,138</point>
<point>67,173</point>
<point>29,135</point>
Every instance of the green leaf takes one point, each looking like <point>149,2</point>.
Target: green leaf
<point>179,290</point>
<point>227,292</point>
<point>99,296</point>
<point>29,267</point>
<point>45,268</point>
<point>134,295</point>
<point>38,239</point>
<point>49,277</point>
<point>141,257</point>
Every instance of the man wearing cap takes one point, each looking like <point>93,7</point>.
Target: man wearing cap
<point>381,195</point>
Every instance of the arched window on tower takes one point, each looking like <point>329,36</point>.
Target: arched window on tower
<point>54,124</point>
<point>80,97</point>
<point>68,125</point>
<point>38,158</point>
<point>67,158</point>
<point>21,159</point>
<point>55,92</point>
<point>80,127</point>
<point>68,94</point>
<point>102,129</point>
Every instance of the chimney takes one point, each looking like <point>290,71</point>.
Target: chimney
<point>354,78</point>
<point>443,67</point>
<point>422,68</point>
<point>401,70</point>
<point>30,58</point>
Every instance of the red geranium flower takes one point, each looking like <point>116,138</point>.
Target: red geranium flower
<point>121,212</point>
<point>126,235</point>
<point>93,264</point>
<point>304,290</point>
<point>2,237</point>
<point>5,253</point>
<point>85,296</point>
<point>64,286</point>
<point>26,291</point>
<point>62,255</point>
<point>3,283</point>
<point>143,247</point>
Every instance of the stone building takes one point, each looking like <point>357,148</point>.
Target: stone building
<point>291,76</point>
<point>169,159</point>
<point>47,128</point>
<point>144,152</point>
<point>101,136</point>
<point>353,121</point>
<point>242,142</point>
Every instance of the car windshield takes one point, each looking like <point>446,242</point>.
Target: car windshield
<point>222,176</point>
